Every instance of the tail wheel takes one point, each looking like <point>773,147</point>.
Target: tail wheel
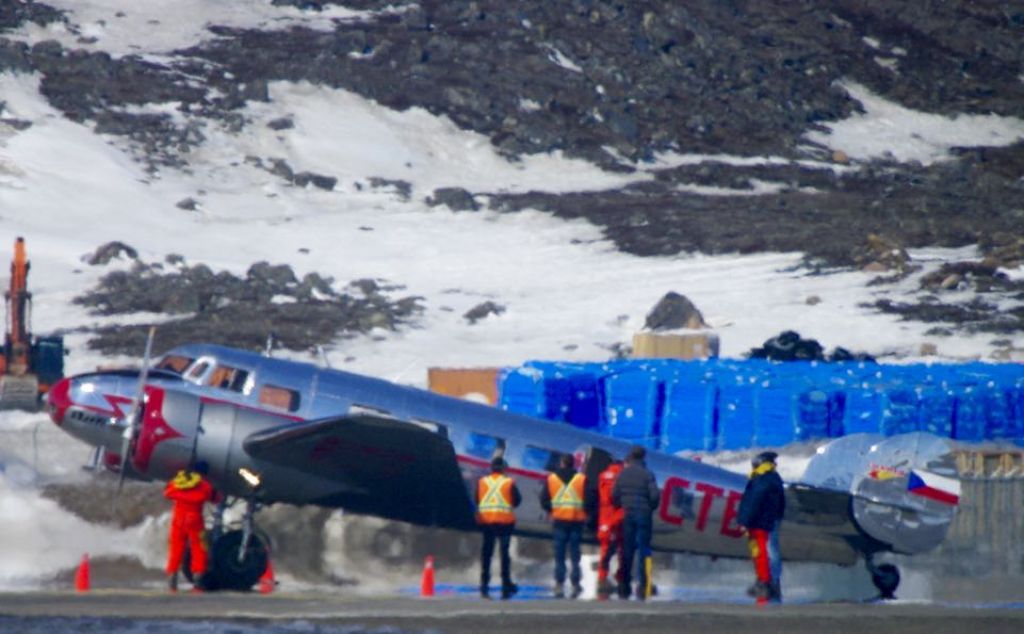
<point>886,578</point>
<point>226,571</point>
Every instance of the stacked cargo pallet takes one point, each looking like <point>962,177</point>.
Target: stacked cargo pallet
<point>720,404</point>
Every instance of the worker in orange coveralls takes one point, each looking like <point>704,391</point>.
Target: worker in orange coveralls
<point>609,529</point>
<point>189,491</point>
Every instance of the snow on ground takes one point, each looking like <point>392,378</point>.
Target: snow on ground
<point>888,130</point>
<point>569,295</point>
<point>161,26</point>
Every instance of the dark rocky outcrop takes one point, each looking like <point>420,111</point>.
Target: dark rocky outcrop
<point>482,310</point>
<point>240,311</point>
<point>674,311</point>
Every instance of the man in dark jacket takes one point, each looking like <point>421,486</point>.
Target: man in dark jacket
<point>497,496</point>
<point>761,509</point>
<point>563,497</point>
<point>636,493</point>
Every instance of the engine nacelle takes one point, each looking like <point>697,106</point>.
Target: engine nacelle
<point>180,428</point>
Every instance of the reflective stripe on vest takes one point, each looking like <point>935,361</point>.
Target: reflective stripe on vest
<point>567,499</point>
<point>495,495</point>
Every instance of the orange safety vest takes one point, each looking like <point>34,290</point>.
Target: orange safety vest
<point>567,499</point>
<point>494,493</point>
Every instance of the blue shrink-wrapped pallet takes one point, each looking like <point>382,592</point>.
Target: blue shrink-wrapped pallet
<point>937,407</point>
<point>836,413</point>
<point>1000,419</point>
<point>863,411</point>
<point>688,420</point>
<point>632,402</point>
<point>574,388</point>
<point>899,410</point>
<point>777,407</point>
<point>1017,399</point>
<point>552,391</point>
<point>969,421</point>
<point>736,414</point>
<point>521,390</point>
<point>815,414</point>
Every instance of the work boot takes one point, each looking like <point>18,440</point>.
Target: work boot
<point>577,590</point>
<point>641,593</point>
<point>761,592</point>
<point>558,591</point>
<point>172,582</point>
<point>624,591</point>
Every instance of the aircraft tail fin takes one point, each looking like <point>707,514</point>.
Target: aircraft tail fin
<point>905,489</point>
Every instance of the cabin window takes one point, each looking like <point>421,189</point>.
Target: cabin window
<point>484,446</point>
<point>540,459</point>
<point>175,363</point>
<point>228,378</point>
<point>279,398</point>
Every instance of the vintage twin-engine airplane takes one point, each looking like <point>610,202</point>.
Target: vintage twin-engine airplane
<point>273,430</point>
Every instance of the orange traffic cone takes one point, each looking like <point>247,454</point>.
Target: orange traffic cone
<point>427,584</point>
<point>267,581</point>
<point>82,575</point>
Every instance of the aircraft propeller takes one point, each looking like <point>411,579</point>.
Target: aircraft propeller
<point>131,428</point>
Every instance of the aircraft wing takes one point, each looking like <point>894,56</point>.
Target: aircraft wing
<point>387,467</point>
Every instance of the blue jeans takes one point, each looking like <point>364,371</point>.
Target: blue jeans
<point>568,534</point>
<point>636,543</point>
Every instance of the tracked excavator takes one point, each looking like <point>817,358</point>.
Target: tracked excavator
<point>28,366</point>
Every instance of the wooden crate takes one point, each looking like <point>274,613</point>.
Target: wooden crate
<point>475,384</point>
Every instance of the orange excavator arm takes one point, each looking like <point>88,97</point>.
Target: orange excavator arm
<point>17,344</point>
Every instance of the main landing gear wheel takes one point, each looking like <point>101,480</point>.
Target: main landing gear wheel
<point>227,570</point>
<point>886,578</point>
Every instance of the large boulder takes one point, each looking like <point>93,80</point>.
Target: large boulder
<point>673,312</point>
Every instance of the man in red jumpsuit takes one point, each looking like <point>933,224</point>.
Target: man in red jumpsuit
<point>189,491</point>
<point>609,529</point>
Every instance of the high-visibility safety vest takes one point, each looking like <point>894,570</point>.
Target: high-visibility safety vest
<point>567,499</point>
<point>495,494</point>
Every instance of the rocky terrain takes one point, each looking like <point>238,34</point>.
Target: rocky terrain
<point>618,84</point>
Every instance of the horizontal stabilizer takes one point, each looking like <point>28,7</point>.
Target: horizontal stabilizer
<point>905,489</point>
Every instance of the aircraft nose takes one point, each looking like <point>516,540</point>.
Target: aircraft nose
<point>58,400</point>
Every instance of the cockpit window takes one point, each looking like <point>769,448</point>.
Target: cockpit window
<point>174,363</point>
<point>228,378</point>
